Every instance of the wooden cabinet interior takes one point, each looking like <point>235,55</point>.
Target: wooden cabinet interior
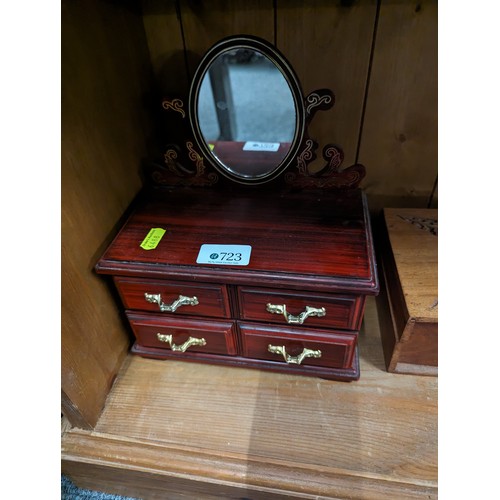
<point>108,74</point>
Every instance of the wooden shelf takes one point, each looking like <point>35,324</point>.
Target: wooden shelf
<point>217,432</point>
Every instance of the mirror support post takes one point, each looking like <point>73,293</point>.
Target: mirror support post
<point>223,99</point>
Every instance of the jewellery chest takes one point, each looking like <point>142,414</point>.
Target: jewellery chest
<point>298,304</point>
<point>264,269</point>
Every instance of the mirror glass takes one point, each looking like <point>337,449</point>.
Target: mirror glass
<point>246,113</point>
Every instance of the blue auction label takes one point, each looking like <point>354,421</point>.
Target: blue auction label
<point>230,255</point>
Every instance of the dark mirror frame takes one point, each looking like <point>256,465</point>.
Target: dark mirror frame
<point>188,160</point>
<point>279,61</point>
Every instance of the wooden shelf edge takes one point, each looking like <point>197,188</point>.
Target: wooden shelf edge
<point>143,468</point>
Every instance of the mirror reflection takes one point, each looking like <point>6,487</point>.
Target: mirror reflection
<point>246,112</point>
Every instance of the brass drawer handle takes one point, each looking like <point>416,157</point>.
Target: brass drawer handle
<point>181,348</point>
<point>155,298</point>
<point>294,360</point>
<point>295,320</point>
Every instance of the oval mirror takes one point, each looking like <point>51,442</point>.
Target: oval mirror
<point>246,109</point>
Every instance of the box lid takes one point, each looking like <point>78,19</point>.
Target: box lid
<point>317,240</point>
<point>413,237</point>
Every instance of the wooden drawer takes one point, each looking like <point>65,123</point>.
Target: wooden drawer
<point>209,300</point>
<point>340,311</point>
<point>336,348</point>
<point>173,334</point>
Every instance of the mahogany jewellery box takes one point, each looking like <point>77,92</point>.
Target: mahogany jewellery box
<point>236,253</point>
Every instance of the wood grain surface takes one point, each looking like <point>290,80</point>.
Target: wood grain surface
<point>163,32</point>
<point>205,24</point>
<point>306,240</point>
<point>409,270</point>
<point>399,134</point>
<point>329,45</point>
<point>104,137</point>
<point>415,252</point>
<point>173,426</point>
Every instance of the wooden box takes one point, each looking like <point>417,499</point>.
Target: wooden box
<point>408,303</point>
<point>296,306</point>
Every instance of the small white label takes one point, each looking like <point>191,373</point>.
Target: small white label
<point>230,255</point>
<point>261,146</point>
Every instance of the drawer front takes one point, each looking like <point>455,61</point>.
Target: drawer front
<point>295,346</point>
<point>174,297</point>
<point>184,335</point>
<point>297,308</point>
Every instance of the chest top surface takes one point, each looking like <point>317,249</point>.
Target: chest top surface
<point>318,241</point>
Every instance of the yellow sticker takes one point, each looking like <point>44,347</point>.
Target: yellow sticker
<point>153,238</point>
<point>211,146</point>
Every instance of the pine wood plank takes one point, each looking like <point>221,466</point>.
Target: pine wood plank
<point>163,31</point>
<point>329,45</point>
<point>156,470</point>
<point>376,438</point>
<point>103,141</point>
<point>205,23</point>
<point>399,135</point>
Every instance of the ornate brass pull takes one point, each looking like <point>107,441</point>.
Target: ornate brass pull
<point>181,348</point>
<point>294,360</point>
<point>296,320</point>
<point>155,298</point>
